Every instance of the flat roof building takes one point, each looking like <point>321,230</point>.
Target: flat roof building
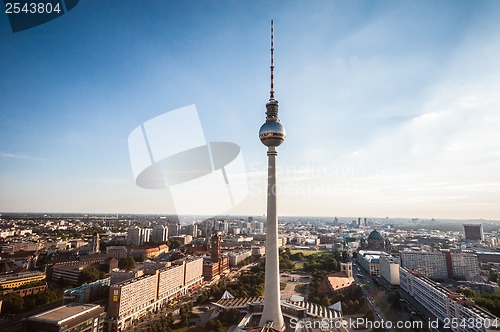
<point>389,269</point>
<point>69,318</point>
<point>19,279</point>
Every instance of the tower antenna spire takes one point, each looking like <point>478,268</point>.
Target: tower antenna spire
<point>272,61</point>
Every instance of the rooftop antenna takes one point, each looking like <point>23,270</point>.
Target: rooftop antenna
<point>272,61</point>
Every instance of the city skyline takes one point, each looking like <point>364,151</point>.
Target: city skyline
<point>399,97</point>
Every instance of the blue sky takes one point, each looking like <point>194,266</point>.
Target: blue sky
<point>391,108</point>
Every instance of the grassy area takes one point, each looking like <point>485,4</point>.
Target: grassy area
<point>306,252</point>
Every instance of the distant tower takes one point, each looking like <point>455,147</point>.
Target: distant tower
<point>216,248</point>
<point>272,134</point>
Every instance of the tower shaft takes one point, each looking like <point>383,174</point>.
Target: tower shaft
<point>272,303</point>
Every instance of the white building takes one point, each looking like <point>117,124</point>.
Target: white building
<point>131,299</point>
<point>137,236</point>
<point>448,307</point>
<point>236,257</point>
<point>431,264</point>
<point>370,261</point>
<point>389,269</point>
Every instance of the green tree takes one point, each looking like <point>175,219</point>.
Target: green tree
<point>127,263</point>
<point>90,275</point>
<point>13,303</point>
<point>230,316</point>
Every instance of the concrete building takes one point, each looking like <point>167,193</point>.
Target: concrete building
<point>69,318</point>
<point>131,299</point>
<point>20,279</point>
<point>146,235</point>
<point>431,264</point>
<point>442,304</point>
<point>442,264</point>
<point>215,248</point>
<point>134,236</point>
<point>473,232</point>
<point>67,273</point>
<point>193,274</point>
<point>174,229</point>
<point>258,251</point>
<point>88,293</point>
<point>389,269</point>
<point>236,257</point>
<point>160,233</point>
<point>192,230</point>
<point>464,265</point>
<point>171,282</point>
<point>117,252</point>
<point>370,261</point>
<point>118,275</point>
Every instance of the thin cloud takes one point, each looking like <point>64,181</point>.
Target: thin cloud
<point>7,155</point>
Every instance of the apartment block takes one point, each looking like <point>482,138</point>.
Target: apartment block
<point>431,264</point>
<point>131,299</point>
<point>444,305</point>
<point>128,299</point>
<point>194,272</point>
<point>441,264</point>
<point>465,265</point>
<point>171,282</point>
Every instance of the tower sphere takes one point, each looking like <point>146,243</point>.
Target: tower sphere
<point>272,133</point>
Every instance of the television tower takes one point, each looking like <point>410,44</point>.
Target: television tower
<point>272,134</point>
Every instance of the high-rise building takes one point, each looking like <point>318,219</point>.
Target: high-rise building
<point>215,250</point>
<point>464,264</point>
<point>173,229</point>
<point>192,229</point>
<point>146,235</point>
<point>441,264</point>
<point>131,299</point>
<point>137,236</point>
<point>160,233</point>
<point>134,235</point>
<point>272,134</point>
<point>431,264</point>
<point>473,232</point>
